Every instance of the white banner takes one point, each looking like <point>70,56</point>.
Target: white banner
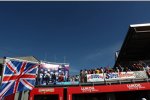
<point>95,77</point>
<point>119,76</point>
<point>141,74</point>
<point>111,76</point>
<point>127,75</point>
<point>116,76</point>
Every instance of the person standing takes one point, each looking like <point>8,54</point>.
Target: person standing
<point>54,78</point>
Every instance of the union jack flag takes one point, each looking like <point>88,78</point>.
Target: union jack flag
<point>17,76</point>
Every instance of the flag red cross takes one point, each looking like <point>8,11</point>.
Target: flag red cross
<point>19,76</point>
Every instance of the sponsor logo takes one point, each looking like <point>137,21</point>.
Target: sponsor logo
<point>135,86</point>
<point>121,75</point>
<point>95,76</point>
<point>88,89</point>
<point>46,90</point>
<point>111,75</point>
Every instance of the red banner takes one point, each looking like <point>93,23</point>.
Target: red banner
<point>107,88</point>
<point>47,91</point>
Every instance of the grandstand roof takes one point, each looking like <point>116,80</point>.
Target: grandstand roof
<point>136,45</point>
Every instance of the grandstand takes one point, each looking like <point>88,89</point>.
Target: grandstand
<point>136,45</point>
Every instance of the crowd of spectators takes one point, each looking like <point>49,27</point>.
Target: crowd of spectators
<point>47,77</point>
<point>118,68</point>
<point>131,67</point>
<point>74,78</point>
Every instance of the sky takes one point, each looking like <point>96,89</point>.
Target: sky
<point>84,34</point>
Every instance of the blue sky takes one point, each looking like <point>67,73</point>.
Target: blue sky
<point>86,33</point>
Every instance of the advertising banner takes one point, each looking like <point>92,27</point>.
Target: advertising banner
<point>108,88</point>
<point>127,75</point>
<point>140,74</point>
<point>95,77</point>
<point>116,76</point>
<point>119,76</point>
<point>67,83</point>
<point>111,76</point>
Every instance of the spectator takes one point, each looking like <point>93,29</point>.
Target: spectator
<point>82,76</point>
<point>97,71</point>
<point>61,78</point>
<point>41,76</point>
<point>85,75</point>
<point>77,78</point>
<point>47,78</point>
<point>54,78</point>
<point>102,70</point>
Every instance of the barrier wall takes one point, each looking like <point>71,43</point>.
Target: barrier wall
<point>73,90</point>
<point>106,88</point>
